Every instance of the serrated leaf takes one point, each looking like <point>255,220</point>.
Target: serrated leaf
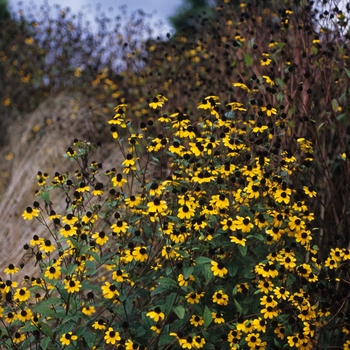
<point>179,311</point>
<point>207,317</point>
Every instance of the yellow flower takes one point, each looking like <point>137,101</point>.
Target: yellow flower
<point>218,269</point>
<point>156,315</point>
<point>88,310</point>
<point>22,294</point>
<point>111,337</point>
<point>72,285</point>
<point>30,213</point>
<point>197,320</point>
<point>220,298</point>
<point>11,269</point>
<point>66,338</point>
<point>109,291</point>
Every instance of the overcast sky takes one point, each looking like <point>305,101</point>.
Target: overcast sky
<point>161,9</point>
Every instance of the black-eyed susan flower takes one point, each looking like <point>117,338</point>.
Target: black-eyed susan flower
<point>259,325</point>
<point>10,317</point>
<point>265,286</point>
<point>118,180</point>
<point>52,272</point>
<point>217,317</point>
<point>309,191</point>
<point>220,298</point>
<point>218,269</point>
<point>68,231</point>
<point>119,276</point>
<point>111,336</point>
<point>67,338</point>
<point>47,246</point>
<point>156,328</point>
<point>88,310</point>
<point>242,86</point>
<point>24,315</point>
<point>346,345</point>
<point>194,297</point>
<point>196,320</point>
<point>72,285</point>
<point>11,269</point>
<point>183,282</point>
<point>22,294</point>
<point>157,206</point>
<point>109,291</point>
<point>132,201</point>
<point>303,237</point>
<point>238,239</point>
<point>140,254</point>
<point>281,293</point>
<point>244,224</point>
<point>156,315</point>
<point>158,101</point>
<point>18,337</point>
<point>100,238</point>
<point>36,240</point>
<point>269,110</point>
<point>30,213</point>
<point>253,340</point>
<point>99,324</point>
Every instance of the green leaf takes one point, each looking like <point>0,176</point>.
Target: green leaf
<point>320,126</point>
<point>44,343</point>
<point>187,271</point>
<point>238,306</point>
<point>326,340</point>
<point>46,330</point>
<point>232,269</point>
<point>347,71</point>
<point>207,316</point>
<point>207,273</point>
<point>164,340</point>
<point>335,105</point>
<point>45,196</point>
<point>167,282</point>
<point>341,116</point>
<point>202,260</point>
<point>242,249</point>
<point>44,306</point>
<point>248,60</point>
<point>179,312</point>
<point>279,82</point>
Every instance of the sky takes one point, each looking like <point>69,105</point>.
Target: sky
<point>161,9</point>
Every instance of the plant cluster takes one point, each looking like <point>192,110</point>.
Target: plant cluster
<point>215,250</point>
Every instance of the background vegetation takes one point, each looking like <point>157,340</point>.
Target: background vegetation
<point>285,66</point>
